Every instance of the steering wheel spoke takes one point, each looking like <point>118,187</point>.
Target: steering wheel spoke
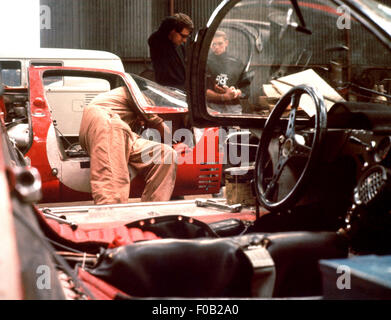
<point>273,183</point>
<point>290,130</point>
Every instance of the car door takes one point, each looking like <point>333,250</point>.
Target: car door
<point>57,96</point>
<point>295,61</point>
<point>331,45</point>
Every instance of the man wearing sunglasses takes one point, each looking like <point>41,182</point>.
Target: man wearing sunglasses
<point>167,50</point>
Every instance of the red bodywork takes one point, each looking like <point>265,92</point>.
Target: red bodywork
<point>197,173</point>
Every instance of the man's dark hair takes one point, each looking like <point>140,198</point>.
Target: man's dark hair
<point>177,22</point>
<point>183,21</point>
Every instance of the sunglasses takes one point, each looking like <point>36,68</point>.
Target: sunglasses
<point>184,36</point>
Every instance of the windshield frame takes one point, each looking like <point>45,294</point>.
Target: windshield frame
<point>196,70</point>
<point>371,18</point>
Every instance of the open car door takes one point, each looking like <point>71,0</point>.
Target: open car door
<point>311,80</point>
<point>329,45</point>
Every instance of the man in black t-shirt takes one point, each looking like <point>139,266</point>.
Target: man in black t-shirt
<point>226,77</point>
<point>168,52</point>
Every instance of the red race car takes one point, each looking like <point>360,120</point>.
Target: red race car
<point>43,121</point>
<point>321,177</point>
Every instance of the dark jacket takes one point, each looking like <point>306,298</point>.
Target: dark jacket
<point>168,60</point>
<point>227,70</point>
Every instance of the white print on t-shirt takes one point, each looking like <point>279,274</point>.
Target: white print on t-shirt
<point>222,79</point>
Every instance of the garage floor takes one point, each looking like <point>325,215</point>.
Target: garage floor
<point>90,216</point>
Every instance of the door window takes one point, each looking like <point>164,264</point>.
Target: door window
<point>260,49</point>
<point>11,73</point>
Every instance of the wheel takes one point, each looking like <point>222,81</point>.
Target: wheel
<point>278,146</point>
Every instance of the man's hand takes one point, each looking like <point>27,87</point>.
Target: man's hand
<point>219,89</point>
<point>164,131</point>
<point>237,92</point>
<point>222,93</point>
<point>231,93</point>
<point>181,148</point>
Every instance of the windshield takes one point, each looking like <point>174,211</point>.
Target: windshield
<point>379,11</point>
<point>160,96</point>
<point>261,49</point>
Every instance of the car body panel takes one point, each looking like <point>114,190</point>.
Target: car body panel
<point>67,179</point>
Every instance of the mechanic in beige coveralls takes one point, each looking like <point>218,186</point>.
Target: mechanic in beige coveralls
<point>106,134</point>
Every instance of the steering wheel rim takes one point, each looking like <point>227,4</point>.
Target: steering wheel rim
<point>288,149</point>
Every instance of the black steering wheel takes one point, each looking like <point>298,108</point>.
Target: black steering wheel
<point>278,146</point>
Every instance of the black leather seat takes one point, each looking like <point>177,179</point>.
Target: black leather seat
<point>218,267</point>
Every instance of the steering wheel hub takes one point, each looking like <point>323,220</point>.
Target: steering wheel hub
<point>287,147</point>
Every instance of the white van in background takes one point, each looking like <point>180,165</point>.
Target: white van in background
<point>14,63</point>
<point>69,95</point>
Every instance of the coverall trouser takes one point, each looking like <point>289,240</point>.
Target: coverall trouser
<point>112,146</point>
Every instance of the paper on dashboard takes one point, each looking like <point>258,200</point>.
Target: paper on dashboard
<point>312,79</point>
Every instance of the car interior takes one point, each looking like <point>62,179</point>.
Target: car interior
<point>316,129</point>
<point>318,111</point>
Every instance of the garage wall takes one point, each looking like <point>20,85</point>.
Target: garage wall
<point>118,26</point>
